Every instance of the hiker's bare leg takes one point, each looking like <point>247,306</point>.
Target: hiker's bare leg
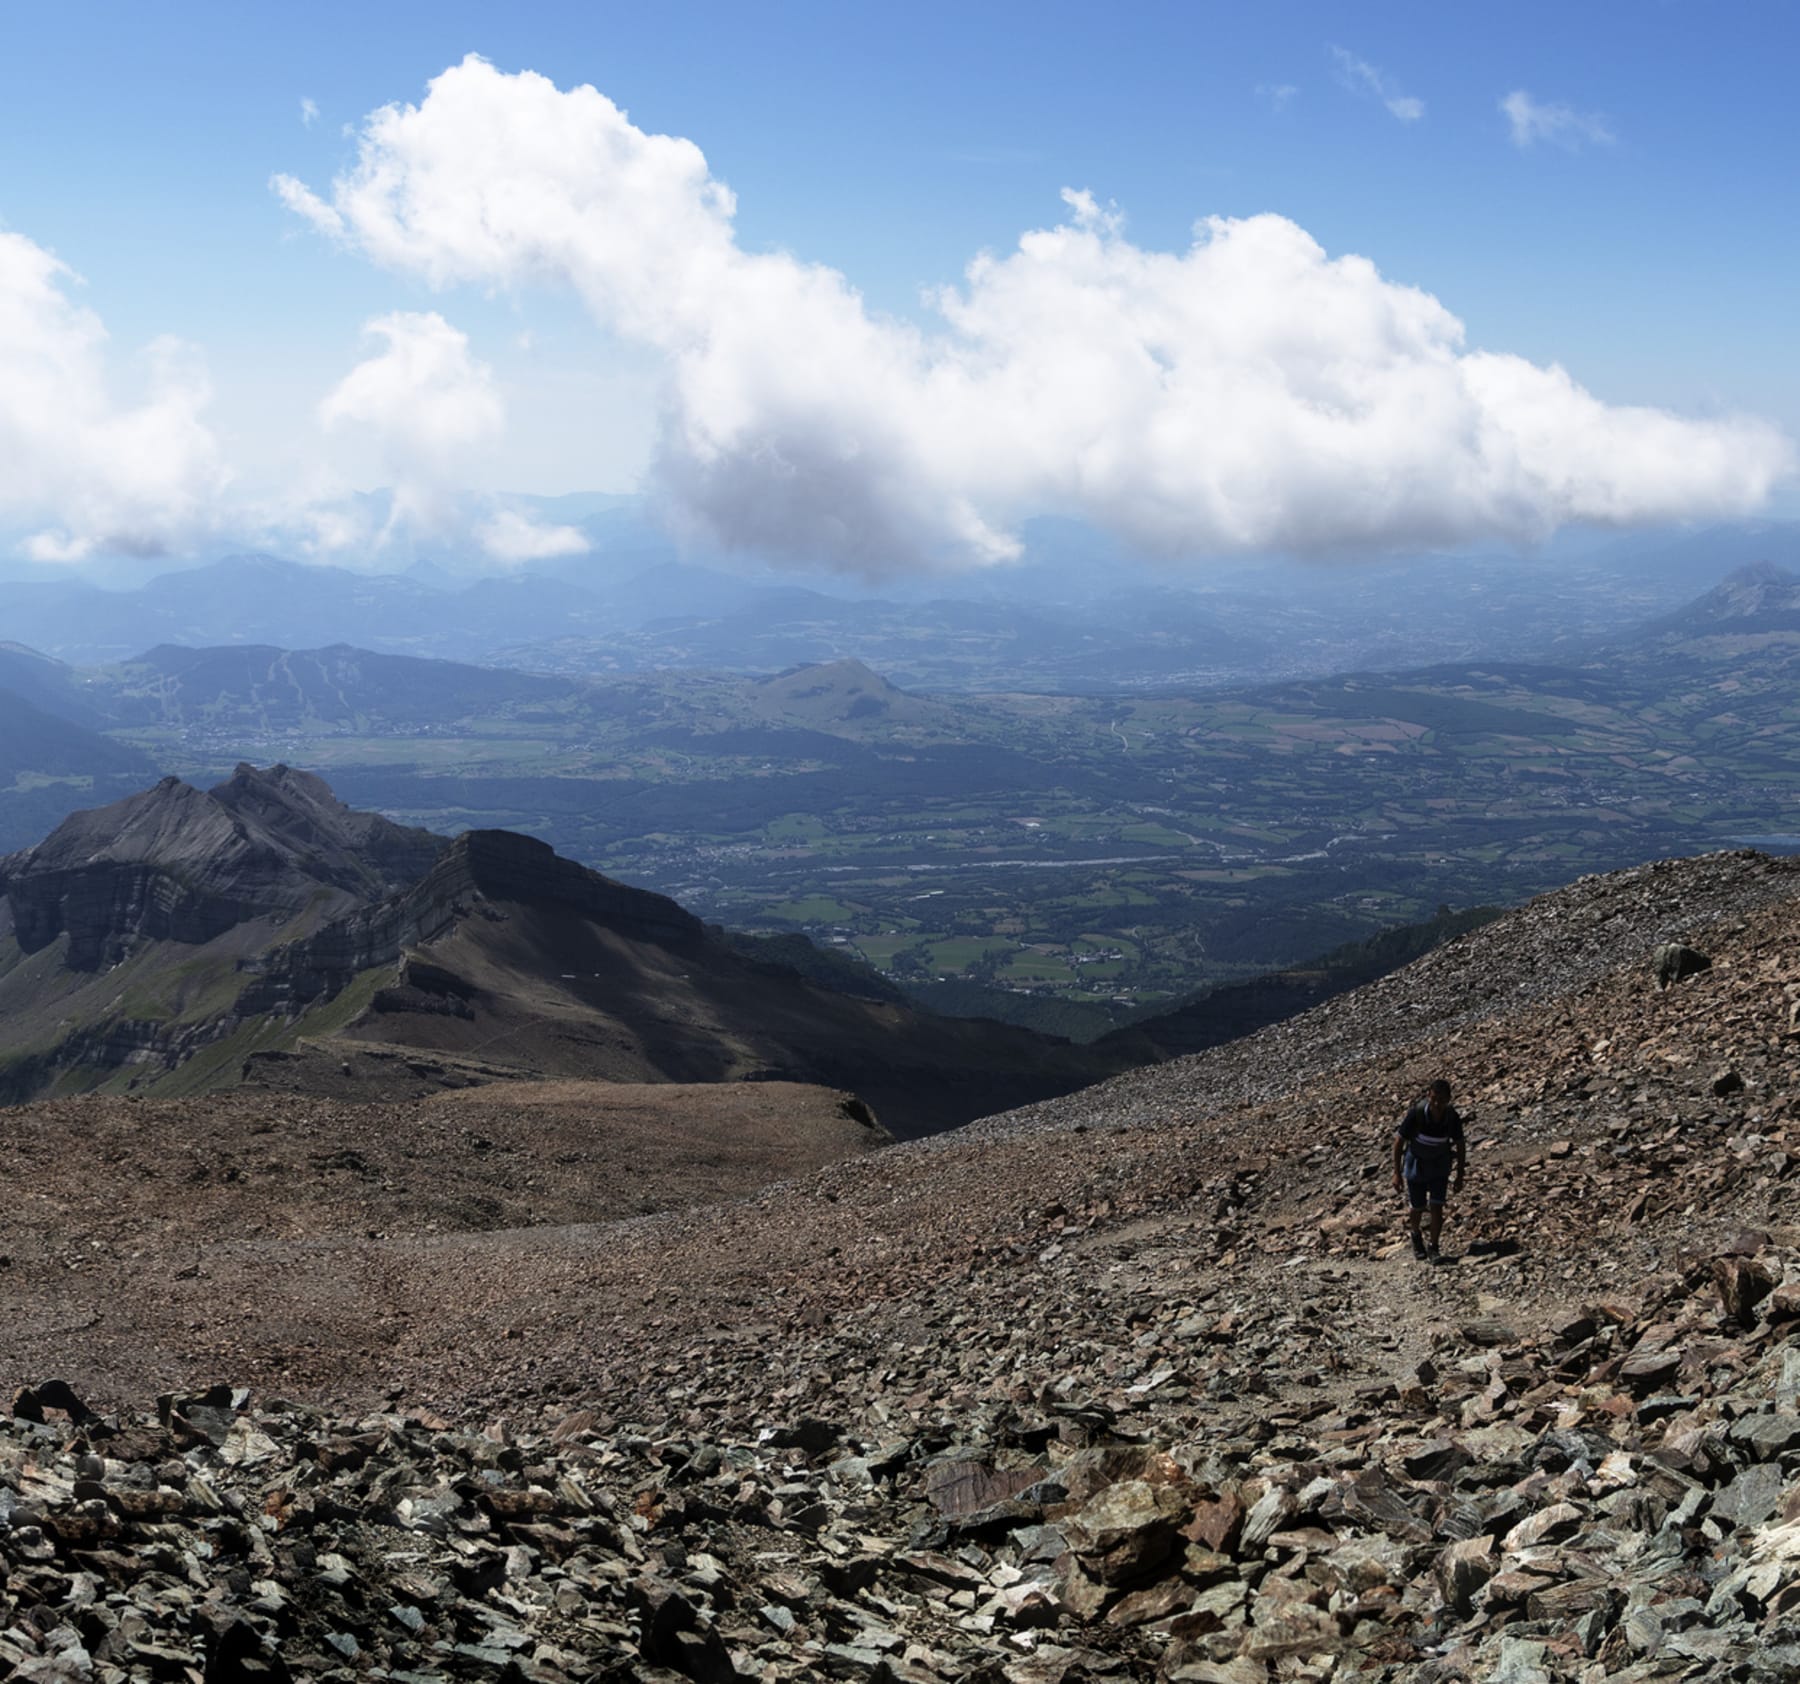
<point>1437,1223</point>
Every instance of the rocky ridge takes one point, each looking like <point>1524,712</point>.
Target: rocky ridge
<point>1138,1384</point>
<point>478,866</point>
<point>124,933</point>
<point>1553,947</point>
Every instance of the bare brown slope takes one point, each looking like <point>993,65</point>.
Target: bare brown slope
<point>94,1174</point>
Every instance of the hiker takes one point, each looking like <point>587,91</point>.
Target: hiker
<point>1429,1136</point>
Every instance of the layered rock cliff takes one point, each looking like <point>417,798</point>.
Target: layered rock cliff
<point>178,864</point>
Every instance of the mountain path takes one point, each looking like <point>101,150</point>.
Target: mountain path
<point>1370,1318</point>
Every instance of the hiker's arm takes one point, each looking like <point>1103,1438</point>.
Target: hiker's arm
<point>1462,1159</point>
<point>1399,1150</point>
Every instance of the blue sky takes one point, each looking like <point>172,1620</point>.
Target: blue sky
<point>1640,232</point>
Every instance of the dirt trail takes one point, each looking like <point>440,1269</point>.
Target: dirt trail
<point>1376,1315</point>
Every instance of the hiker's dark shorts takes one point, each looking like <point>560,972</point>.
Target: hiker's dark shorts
<point>1424,1184</point>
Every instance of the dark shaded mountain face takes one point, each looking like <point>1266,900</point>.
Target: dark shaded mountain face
<point>49,759</point>
<point>45,683</point>
<point>182,940</point>
<point>34,740</point>
<point>176,864</point>
<point>1232,1011</point>
<point>550,969</point>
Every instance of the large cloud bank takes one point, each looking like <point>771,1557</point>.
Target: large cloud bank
<point>1248,392</point>
<point>86,470</point>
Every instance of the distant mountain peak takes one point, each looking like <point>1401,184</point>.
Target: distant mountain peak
<point>1759,573</point>
<point>244,562</point>
<point>1757,589</point>
<point>281,778</point>
<point>841,696</point>
<point>1760,597</point>
<point>1756,580</point>
<point>829,695</point>
<point>847,670</point>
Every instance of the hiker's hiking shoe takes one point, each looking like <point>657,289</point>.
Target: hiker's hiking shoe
<point>1419,1247</point>
<point>1433,1253</point>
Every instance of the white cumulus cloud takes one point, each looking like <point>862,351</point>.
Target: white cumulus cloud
<point>1561,125</point>
<point>1248,391</point>
<point>89,471</point>
<point>1361,77</point>
<point>428,406</point>
<point>512,537</point>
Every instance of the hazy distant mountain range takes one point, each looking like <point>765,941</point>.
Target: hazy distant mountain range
<point>1072,620</point>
